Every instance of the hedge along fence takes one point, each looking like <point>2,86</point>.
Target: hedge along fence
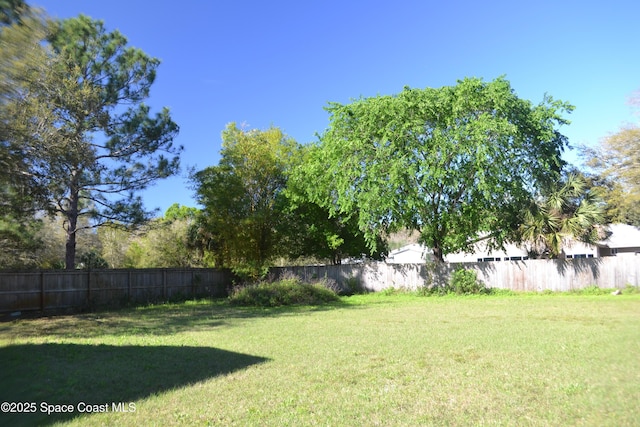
<point>61,289</point>
<point>530,275</point>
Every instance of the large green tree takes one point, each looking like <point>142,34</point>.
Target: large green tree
<point>22,60</point>
<point>452,163</point>
<point>312,233</point>
<point>242,198</point>
<point>93,142</point>
<point>616,162</point>
<point>255,214</point>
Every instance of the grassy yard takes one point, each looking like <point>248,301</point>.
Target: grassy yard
<point>369,360</point>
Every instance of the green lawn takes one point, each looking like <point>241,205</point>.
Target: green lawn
<point>370,360</point>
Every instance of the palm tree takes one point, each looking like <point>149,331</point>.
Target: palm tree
<point>569,210</point>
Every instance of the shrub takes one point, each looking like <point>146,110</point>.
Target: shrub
<point>465,282</point>
<point>590,290</point>
<point>353,287</point>
<point>92,260</point>
<point>286,291</point>
<point>462,282</point>
<point>390,291</point>
<point>329,284</point>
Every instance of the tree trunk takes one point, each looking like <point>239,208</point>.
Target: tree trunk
<point>437,254</point>
<point>72,226</point>
<point>70,251</point>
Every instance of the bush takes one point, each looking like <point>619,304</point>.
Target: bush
<point>465,282</point>
<point>287,291</point>
<point>590,290</point>
<point>92,260</point>
<point>462,282</point>
<point>354,287</point>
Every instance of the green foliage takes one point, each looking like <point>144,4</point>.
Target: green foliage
<point>565,209</point>
<point>502,292</point>
<point>354,286</point>
<point>312,231</point>
<point>21,196</point>
<point>242,199</point>
<point>47,250</point>
<point>162,243</point>
<point>254,214</point>
<point>287,291</point>
<point>250,271</point>
<point>134,257</point>
<point>114,242</point>
<point>178,212</point>
<point>92,142</point>
<point>465,282</point>
<point>92,260</point>
<point>450,163</point>
<point>596,290</point>
<point>461,282</point>
<point>615,163</point>
<point>590,290</point>
<point>390,291</point>
<point>12,11</point>
<point>19,239</point>
<point>630,289</point>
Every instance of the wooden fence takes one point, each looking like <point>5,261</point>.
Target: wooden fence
<point>60,289</point>
<point>530,275</point>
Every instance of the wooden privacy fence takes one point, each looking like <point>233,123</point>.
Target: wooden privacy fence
<point>59,289</point>
<point>530,275</point>
<point>47,290</point>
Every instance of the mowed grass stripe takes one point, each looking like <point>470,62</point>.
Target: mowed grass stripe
<point>370,360</point>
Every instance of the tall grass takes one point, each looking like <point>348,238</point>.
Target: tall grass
<point>372,360</point>
<point>285,291</point>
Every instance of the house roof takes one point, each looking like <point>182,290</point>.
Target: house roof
<point>618,236</point>
<point>412,251</point>
<point>413,247</point>
<point>621,236</point>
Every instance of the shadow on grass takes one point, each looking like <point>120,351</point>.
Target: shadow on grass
<point>160,319</point>
<point>99,374</point>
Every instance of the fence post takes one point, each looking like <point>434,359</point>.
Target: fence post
<point>89,286</point>
<point>164,284</point>
<point>129,285</point>
<point>42,291</point>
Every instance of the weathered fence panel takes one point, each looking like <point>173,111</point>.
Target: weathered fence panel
<point>530,275</point>
<point>46,290</point>
<point>49,290</point>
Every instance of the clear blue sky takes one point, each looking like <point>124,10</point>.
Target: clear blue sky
<point>279,62</point>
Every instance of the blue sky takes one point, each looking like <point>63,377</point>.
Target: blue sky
<point>279,63</point>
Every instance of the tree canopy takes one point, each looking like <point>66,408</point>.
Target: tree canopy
<point>616,162</point>
<point>242,198</point>
<point>451,163</point>
<point>22,59</point>
<point>253,213</point>
<point>312,231</point>
<point>13,11</point>
<point>92,141</point>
